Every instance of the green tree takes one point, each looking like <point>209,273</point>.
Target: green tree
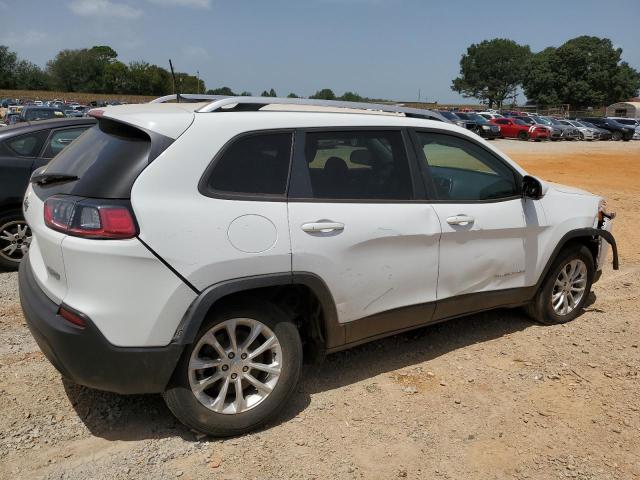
<point>324,94</point>
<point>584,71</point>
<point>351,97</point>
<point>246,94</point>
<point>292,95</point>
<point>30,76</point>
<point>81,70</point>
<point>492,70</point>
<point>221,91</point>
<point>116,78</point>
<point>8,61</point>
<point>272,93</point>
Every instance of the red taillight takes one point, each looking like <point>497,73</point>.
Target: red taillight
<point>89,218</point>
<point>71,317</point>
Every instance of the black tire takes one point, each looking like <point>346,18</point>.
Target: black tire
<point>616,136</point>
<point>540,308</point>
<point>9,220</point>
<point>582,136</point>
<point>188,409</point>
<point>523,136</point>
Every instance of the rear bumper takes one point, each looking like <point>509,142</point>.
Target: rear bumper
<point>84,356</point>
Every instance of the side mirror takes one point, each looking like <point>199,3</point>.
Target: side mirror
<point>531,187</point>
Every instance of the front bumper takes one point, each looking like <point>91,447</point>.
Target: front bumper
<point>84,356</point>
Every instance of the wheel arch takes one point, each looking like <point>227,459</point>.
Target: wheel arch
<point>585,236</point>
<point>319,324</point>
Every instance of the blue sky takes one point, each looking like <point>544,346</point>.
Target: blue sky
<point>378,48</point>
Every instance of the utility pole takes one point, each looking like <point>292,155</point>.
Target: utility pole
<point>198,78</point>
<point>419,95</point>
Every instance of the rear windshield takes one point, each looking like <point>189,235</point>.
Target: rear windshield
<point>107,159</point>
<point>33,114</point>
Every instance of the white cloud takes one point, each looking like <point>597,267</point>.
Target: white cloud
<point>182,3</point>
<point>104,9</point>
<point>27,38</point>
<point>195,52</point>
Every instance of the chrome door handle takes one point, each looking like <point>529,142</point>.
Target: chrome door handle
<point>460,219</point>
<point>323,227</point>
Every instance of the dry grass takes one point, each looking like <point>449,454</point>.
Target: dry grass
<point>72,96</point>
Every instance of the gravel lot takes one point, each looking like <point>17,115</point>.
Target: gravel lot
<point>489,396</point>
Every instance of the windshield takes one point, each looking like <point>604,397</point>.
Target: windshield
<point>42,114</point>
<point>449,115</point>
<point>542,121</point>
<point>626,121</point>
<point>477,118</point>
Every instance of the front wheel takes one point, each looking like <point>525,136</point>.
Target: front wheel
<point>239,372</point>
<point>564,291</point>
<point>617,136</point>
<point>523,136</point>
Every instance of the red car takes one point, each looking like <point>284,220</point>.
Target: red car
<point>515,128</point>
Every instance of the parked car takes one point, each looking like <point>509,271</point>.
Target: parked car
<point>586,133</point>
<point>516,128</point>
<point>453,118</point>
<point>490,115</point>
<point>618,130</point>
<point>630,122</point>
<point>75,111</point>
<point>11,118</point>
<point>480,125</point>
<point>195,264</point>
<point>603,134</point>
<point>33,113</point>
<point>23,148</point>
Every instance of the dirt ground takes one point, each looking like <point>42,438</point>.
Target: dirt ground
<point>490,396</point>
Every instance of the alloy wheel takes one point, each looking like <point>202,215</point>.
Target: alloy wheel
<point>235,365</point>
<point>15,238</point>
<point>569,287</point>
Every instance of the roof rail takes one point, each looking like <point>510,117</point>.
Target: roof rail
<point>188,98</point>
<point>253,104</point>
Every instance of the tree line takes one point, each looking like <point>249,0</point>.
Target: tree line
<point>585,71</point>
<point>93,70</point>
<point>98,70</point>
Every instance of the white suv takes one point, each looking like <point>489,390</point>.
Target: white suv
<point>198,249</point>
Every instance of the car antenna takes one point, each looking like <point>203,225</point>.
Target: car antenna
<point>175,88</point>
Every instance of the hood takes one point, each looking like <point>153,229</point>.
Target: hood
<point>567,189</point>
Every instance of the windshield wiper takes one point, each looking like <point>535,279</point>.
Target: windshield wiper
<point>51,178</point>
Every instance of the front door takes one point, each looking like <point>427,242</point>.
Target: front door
<point>478,203</point>
<point>354,222</point>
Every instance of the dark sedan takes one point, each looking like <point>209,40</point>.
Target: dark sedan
<point>23,148</point>
<point>480,125</point>
<point>618,130</point>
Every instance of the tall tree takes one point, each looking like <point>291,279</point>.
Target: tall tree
<point>492,70</point>
<point>584,71</point>
<point>221,91</point>
<point>30,76</point>
<point>8,61</point>
<point>324,94</point>
<point>351,97</point>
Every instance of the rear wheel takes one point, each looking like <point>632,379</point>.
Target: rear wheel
<point>523,135</point>
<point>617,136</point>
<point>241,369</point>
<point>15,238</point>
<point>565,290</point>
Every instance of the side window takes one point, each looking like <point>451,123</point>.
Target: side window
<point>28,145</point>
<point>60,139</point>
<point>255,165</point>
<point>462,170</point>
<point>358,165</point>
